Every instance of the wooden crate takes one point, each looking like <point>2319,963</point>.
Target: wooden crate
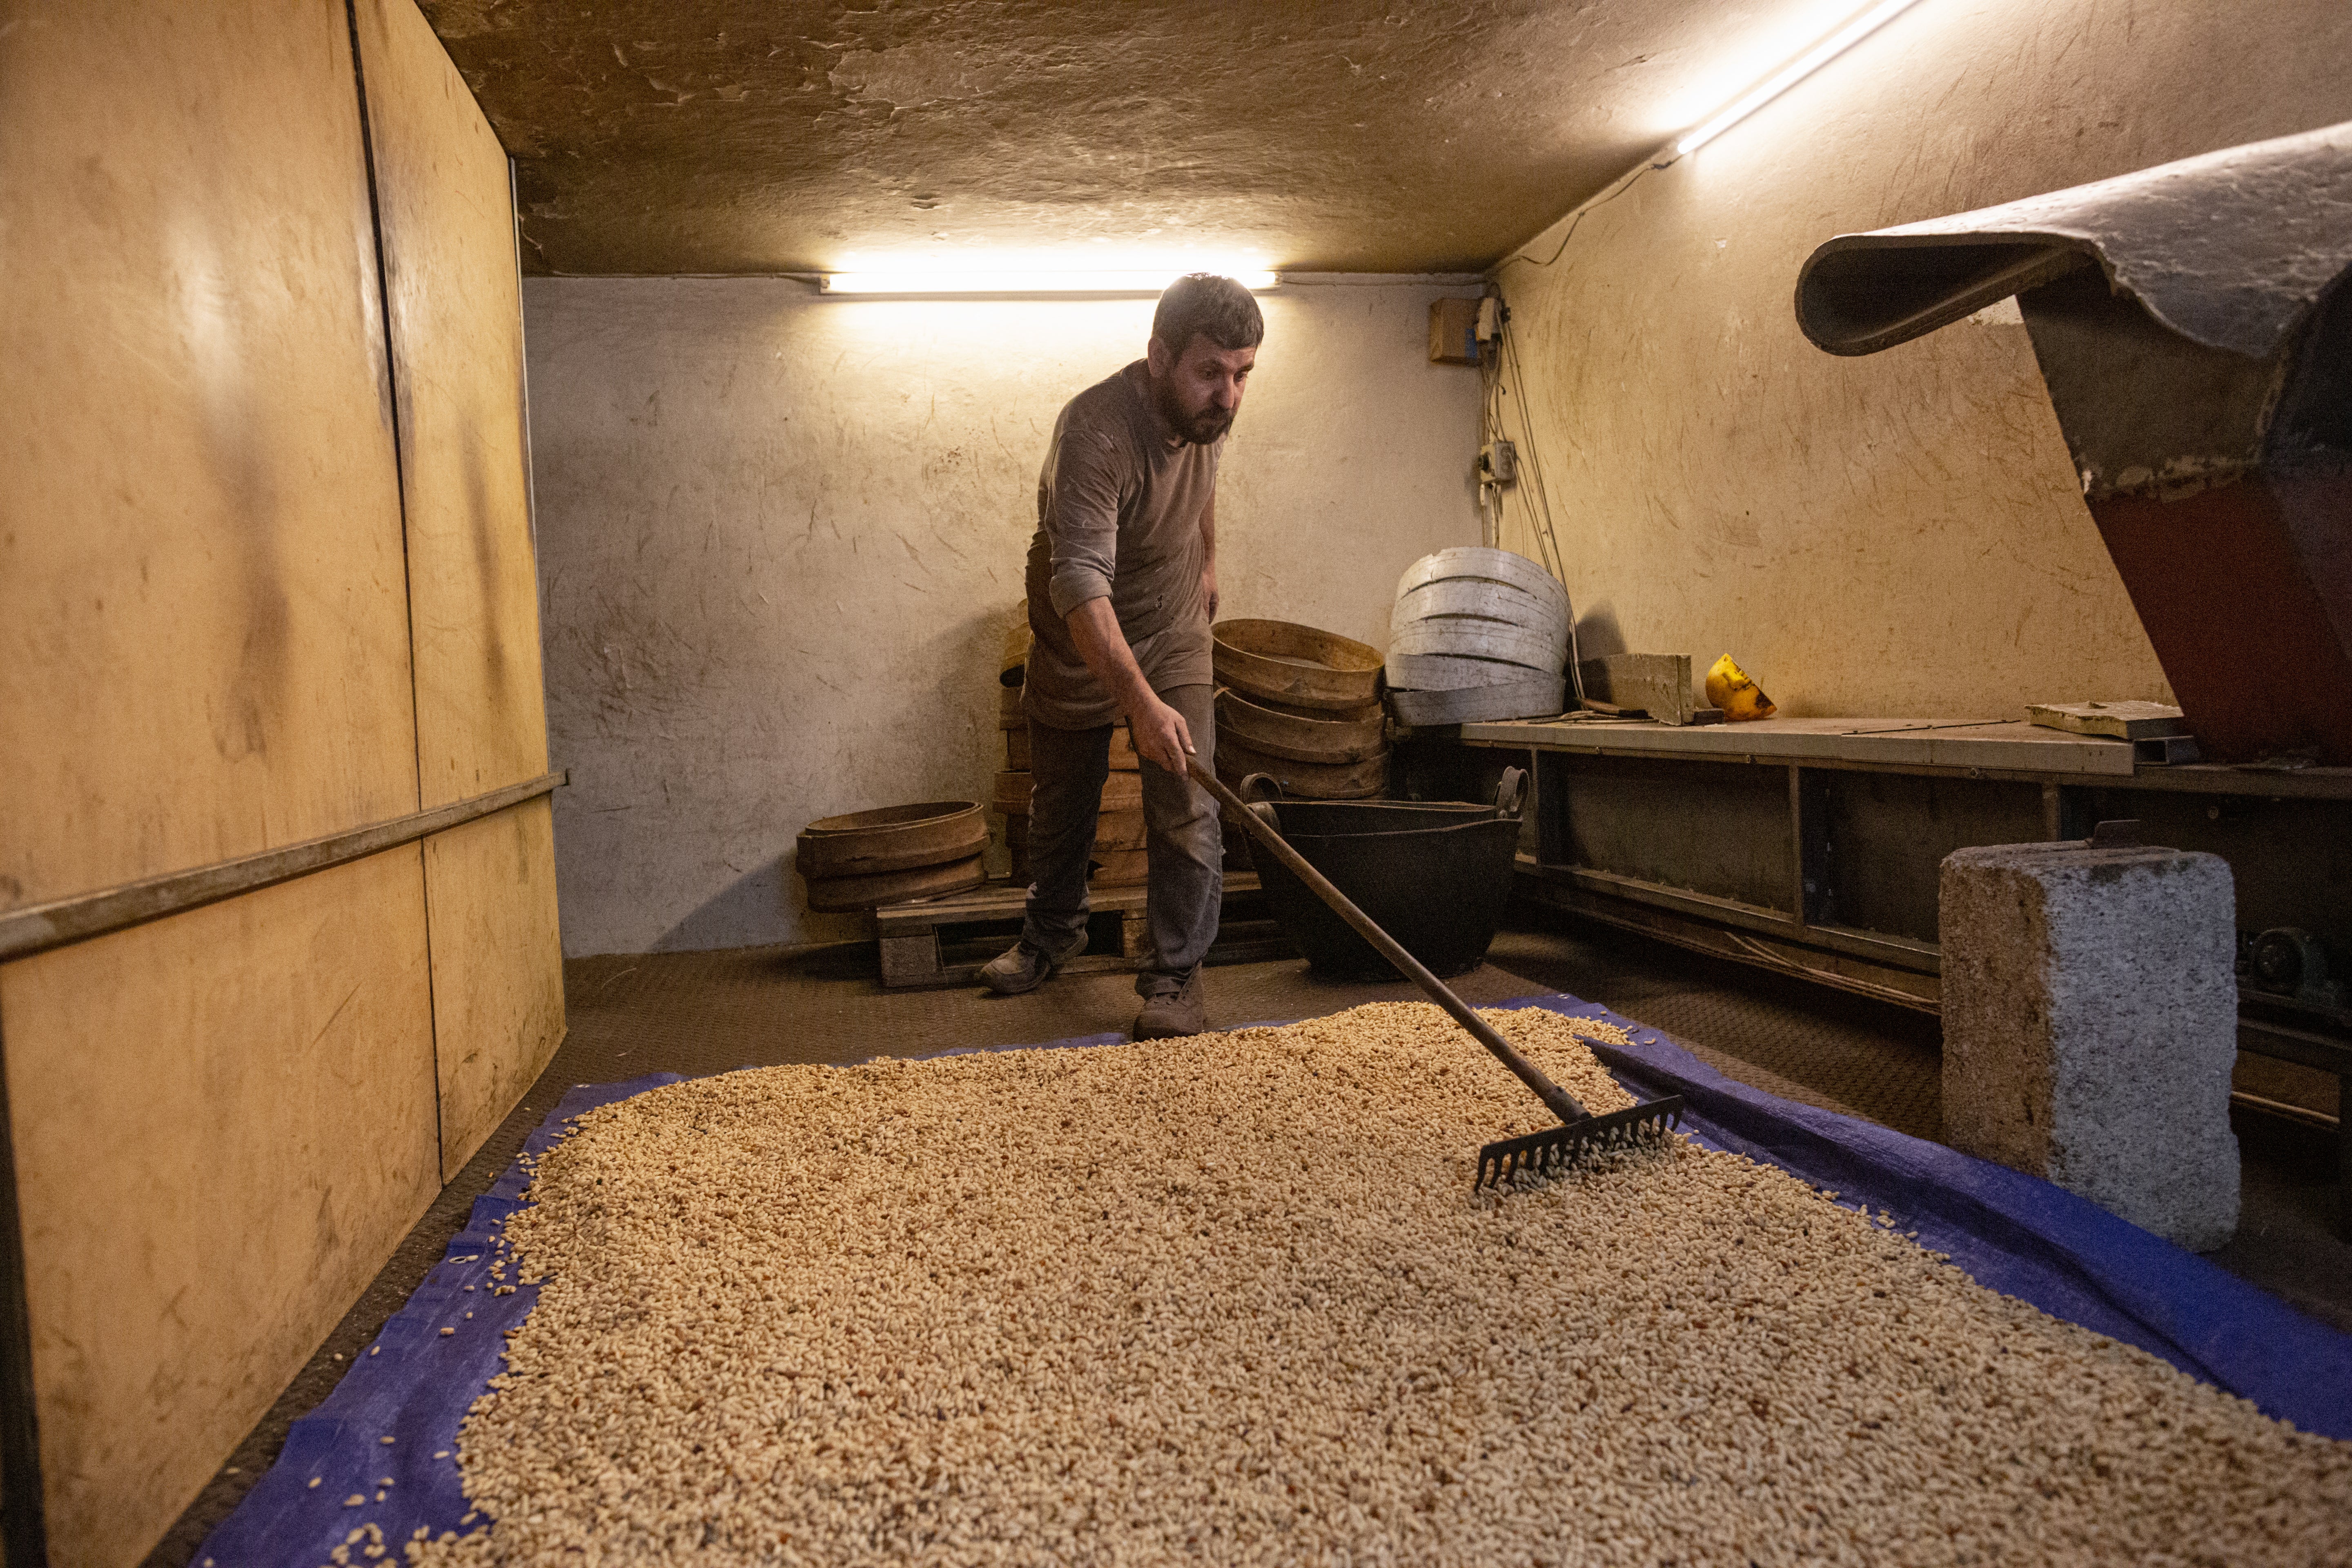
<point>945,941</point>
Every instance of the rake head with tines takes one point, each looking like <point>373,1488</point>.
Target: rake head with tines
<point>1580,1132</point>
<point>1556,1148</point>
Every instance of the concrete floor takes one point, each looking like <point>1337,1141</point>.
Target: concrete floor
<point>710,1012</point>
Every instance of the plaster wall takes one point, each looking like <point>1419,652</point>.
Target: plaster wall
<point>781,538</point>
<point>1899,534</point>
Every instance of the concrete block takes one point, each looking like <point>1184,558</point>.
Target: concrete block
<point>2090,1008</point>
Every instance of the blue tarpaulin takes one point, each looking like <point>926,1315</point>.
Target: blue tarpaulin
<point>2014,1233</point>
<point>412,1385</point>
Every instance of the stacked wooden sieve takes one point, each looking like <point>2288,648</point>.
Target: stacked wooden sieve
<point>1301,706</point>
<point>1478,634</point>
<point>891,854</point>
<point>1118,854</point>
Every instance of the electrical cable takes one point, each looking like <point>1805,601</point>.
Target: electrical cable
<point>1539,492</point>
<point>1491,429</point>
<point>1577,218</point>
<point>1500,370</point>
<point>1507,354</point>
<point>1503,374</point>
<point>1539,499</point>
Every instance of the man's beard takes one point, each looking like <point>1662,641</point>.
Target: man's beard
<point>1201,428</point>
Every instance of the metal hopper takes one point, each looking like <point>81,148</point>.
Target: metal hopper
<point>2194,329</point>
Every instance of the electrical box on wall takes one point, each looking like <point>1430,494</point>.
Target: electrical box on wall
<point>1454,331</point>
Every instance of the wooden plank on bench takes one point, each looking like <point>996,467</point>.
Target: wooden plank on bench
<point>1658,684</point>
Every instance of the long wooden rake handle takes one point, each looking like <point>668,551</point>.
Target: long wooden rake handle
<point>1557,1100</point>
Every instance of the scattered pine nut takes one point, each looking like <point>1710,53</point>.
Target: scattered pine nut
<point>1231,1299</point>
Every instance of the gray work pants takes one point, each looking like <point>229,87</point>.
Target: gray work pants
<point>1181,835</point>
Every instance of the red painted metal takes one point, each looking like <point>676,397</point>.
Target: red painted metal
<point>2245,590</point>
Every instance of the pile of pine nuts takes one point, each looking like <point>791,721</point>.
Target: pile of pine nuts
<point>1232,1299</point>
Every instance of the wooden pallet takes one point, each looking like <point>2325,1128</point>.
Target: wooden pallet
<point>945,941</point>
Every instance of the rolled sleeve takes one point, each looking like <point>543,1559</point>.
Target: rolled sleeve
<point>1073,583</point>
<point>1080,518</point>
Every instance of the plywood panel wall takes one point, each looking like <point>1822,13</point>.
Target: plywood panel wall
<point>498,970</point>
<point>224,1122</point>
<point>456,318</point>
<point>203,631</point>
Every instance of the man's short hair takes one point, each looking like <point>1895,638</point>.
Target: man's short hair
<point>1218,308</point>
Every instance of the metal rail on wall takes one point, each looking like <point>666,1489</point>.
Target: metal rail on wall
<point>40,927</point>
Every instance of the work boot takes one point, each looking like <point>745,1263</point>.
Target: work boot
<point>1024,966</point>
<point>1175,1012</point>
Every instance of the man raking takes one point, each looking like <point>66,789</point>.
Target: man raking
<point>1123,587</point>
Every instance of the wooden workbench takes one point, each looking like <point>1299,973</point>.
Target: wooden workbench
<point>1812,845</point>
<point>1977,748</point>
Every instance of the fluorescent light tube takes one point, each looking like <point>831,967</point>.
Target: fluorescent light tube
<point>944,281</point>
<point>1795,71</point>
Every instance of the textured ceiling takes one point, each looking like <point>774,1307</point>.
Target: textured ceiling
<point>669,136</point>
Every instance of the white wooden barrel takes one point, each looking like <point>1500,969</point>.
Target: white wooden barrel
<point>1441,672</point>
<point>1461,636</point>
<point>1471,616</point>
<point>1478,561</point>
<point>1538,697</point>
<point>1477,598</point>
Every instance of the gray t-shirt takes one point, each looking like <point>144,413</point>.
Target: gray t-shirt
<point>1119,502</point>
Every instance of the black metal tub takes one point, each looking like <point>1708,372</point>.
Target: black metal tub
<point>1432,874</point>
